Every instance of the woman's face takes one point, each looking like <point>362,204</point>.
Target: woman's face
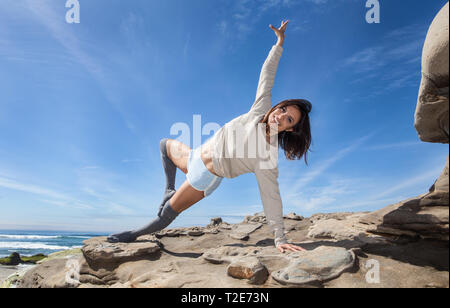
<point>285,118</point>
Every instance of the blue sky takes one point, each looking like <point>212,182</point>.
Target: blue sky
<point>83,106</point>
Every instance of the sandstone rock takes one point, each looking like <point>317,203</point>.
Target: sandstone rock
<point>294,216</point>
<point>224,254</point>
<point>295,268</point>
<point>195,231</point>
<point>67,254</point>
<point>55,273</point>
<point>318,265</point>
<point>337,216</point>
<point>98,251</point>
<point>426,216</point>
<point>170,233</point>
<point>432,113</point>
<point>215,222</point>
<point>248,268</point>
<point>441,186</point>
<point>183,263</point>
<point>258,217</point>
<point>211,230</point>
<point>349,228</point>
<point>243,230</point>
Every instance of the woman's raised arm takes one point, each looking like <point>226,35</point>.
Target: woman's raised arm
<point>263,100</point>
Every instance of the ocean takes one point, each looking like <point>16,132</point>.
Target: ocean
<point>28,243</point>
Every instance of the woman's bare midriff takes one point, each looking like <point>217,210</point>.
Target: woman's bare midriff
<point>206,156</point>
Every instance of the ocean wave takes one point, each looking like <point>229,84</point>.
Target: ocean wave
<point>31,245</point>
<point>40,237</point>
<point>28,237</point>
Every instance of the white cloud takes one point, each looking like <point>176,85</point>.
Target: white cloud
<point>427,177</point>
<point>320,167</point>
<point>45,13</point>
<point>390,59</point>
<point>59,198</point>
<point>245,14</point>
<point>393,145</point>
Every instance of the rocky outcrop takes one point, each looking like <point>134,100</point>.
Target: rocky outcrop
<point>16,259</point>
<point>431,117</point>
<point>426,215</point>
<point>337,247</point>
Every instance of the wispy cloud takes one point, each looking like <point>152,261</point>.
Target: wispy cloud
<point>59,199</point>
<point>321,167</point>
<point>412,181</point>
<point>390,60</point>
<point>12,184</point>
<point>393,145</point>
<point>44,12</point>
<point>186,44</point>
<point>245,14</point>
<point>346,194</point>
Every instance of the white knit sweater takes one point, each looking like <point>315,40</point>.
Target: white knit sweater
<point>240,147</point>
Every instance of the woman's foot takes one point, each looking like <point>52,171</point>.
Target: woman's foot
<point>167,195</point>
<point>124,237</point>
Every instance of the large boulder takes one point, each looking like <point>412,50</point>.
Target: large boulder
<point>314,267</point>
<point>99,252</point>
<point>431,117</point>
<point>248,268</point>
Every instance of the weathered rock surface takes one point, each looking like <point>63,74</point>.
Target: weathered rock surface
<point>218,260</point>
<point>57,273</point>
<point>348,227</point>
<point>243,231</point>
<point>318,265</point>
<point>248,268</point>
<point>97,251</point>
<point>425,216</point>
<point>432,113</point>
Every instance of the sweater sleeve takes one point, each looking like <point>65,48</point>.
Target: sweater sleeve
<point>270,197</point>
<point>263,101</point>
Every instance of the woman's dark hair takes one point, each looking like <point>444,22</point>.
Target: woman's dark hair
<point>296,143</point>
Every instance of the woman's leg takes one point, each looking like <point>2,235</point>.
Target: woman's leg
<point>178,153</point>
<point>174,154</point>
<point>180,200</point>
<point>184,198</point>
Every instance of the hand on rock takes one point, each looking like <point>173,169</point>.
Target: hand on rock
<point>284,247</point>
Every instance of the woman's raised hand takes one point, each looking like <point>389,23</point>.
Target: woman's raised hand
<point>280,32</point>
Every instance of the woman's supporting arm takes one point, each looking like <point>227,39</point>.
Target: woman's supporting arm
<point>271,199</point>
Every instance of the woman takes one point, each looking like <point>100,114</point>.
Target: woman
<point>287,124</point>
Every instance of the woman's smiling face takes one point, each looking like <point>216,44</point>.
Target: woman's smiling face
<point>285,118</point>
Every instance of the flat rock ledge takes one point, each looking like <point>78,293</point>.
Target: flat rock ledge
<point>98,251</point>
